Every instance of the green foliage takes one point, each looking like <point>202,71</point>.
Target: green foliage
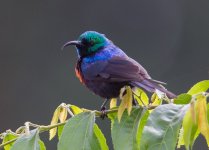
<point>151,125</point>
<point>162,128</point>
<point>142,123</point>
<point>189,129</point>
<point>155,100</point>
<point>183,99</point>
<point>29,141</point>
<point>195,120</point>
<point>124,133</point>
<point>141,97</point>
<point>81,132</point>
<point>42,145</point>
<point>60,129</point>
<point>201,86</point>
<point>7,137</point>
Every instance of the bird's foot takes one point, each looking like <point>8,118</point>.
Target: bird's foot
<point>104,114</point>
<point>134,102</point>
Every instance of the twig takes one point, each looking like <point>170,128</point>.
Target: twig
<point>43,128</point>
<point>8,142</point>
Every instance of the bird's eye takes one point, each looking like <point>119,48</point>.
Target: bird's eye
<point>91,43</point>
<point>84,41</point>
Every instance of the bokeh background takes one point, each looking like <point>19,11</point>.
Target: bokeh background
<point>169,38</point>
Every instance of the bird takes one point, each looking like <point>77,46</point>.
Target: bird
<point>104,68</point>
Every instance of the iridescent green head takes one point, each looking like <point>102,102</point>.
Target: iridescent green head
<point>89,43</point>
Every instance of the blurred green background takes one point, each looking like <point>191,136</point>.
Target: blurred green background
<point>169,38</point>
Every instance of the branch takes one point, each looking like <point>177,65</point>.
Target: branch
<point>8,142</point>
<point>43,128</point>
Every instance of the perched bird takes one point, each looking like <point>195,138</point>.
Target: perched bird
<point>104,68</point>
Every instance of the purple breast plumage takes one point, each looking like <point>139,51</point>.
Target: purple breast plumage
<point>88,69</point>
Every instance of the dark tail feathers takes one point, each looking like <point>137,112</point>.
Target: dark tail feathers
<point>150,86</point>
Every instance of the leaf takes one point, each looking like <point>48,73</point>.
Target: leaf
<point>189,126</point>
<point>196,121</point>
<point>79,133</point>
<point>121,109</point>
<point>183,99</point>
<point>8,137</point>
<point>128,97</point>
<point>124,133</point>
<point>42,145</point>
<point>155,100</point>
<point>181,138</point>
<point>52,132</point>
<point>63,114</point>
<point>142,123</point>
<point>203,125</point>
<point>201,86</point>
<point>208,111</point>
<point>100,137</point>
<point>60,129</point>
<point>76,110</point>
<point>28,142</point>
<point>113,103</point>
<point>126,102</point>
<point>162,127</point>
<point>141,97</point>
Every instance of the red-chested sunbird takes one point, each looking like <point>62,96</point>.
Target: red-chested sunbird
<point>104,68</point>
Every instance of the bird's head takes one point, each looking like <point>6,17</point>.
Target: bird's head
<point>88,43</point>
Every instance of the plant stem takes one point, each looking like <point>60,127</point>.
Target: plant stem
<point>47,128</point>
<point>8,142</point>
<point>43,128</point>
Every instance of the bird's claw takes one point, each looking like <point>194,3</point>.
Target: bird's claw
<point>134,102</point>
<point>104,113</point>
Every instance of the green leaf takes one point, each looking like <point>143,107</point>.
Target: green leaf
<point>201,86</point>
<point>183,99</point>
<point>76,110</point>
<point>195,122</point>
<point>181,138</point>
<point>124,133</point>
<point>79,133</point>
<point>42,145</point>
<point>28,142</point>
<point>142,123</point>
<point>8,137</point>
<point>141,97</point>
<point>190,131</point>
<point>155,100</point>
<point>60,129</point>
<point>162,128</point>
<point>100,137</point>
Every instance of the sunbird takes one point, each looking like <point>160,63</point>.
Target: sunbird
<point>104,68</point>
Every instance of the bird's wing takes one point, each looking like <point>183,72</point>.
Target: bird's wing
<point>117,69</point>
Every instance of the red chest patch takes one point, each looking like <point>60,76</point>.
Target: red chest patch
<point>78,72</point>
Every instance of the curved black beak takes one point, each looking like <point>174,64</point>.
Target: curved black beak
<point>76,43</point>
